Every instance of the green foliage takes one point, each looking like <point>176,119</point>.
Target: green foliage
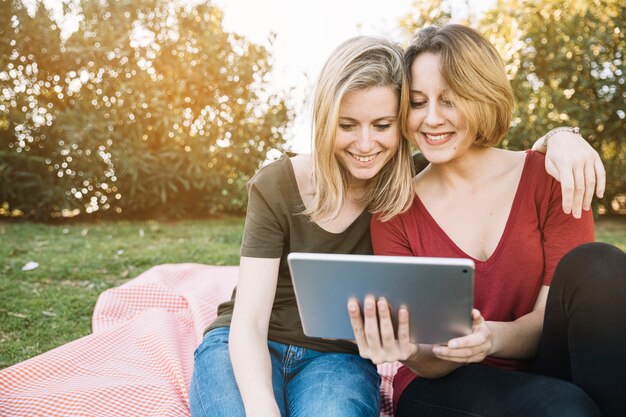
<point>565,60</point>
<point>569,69</point>
<point>423,14</point>
<point>147,109</point>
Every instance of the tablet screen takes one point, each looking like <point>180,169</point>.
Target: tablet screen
<point>438,292</point>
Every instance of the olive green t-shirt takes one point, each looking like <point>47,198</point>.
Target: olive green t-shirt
<point>275,227</point>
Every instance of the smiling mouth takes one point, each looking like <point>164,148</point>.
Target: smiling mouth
<point>364,158</point>
<point>437,138</point>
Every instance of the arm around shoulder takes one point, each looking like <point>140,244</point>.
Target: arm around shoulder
<point>572,161</point>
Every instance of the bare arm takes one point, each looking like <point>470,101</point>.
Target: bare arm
<point>572,161</point>
<point>509,340</point>
<point>248,335</point>
<point>519,339</point>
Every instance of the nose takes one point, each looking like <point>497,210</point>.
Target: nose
<point>434,116</point>
<point>365,140</point>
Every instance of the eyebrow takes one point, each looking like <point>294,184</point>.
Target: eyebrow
<point>350,119</point>
<point>443,92</point>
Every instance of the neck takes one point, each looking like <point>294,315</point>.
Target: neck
<point>355,193</point>
<point>356,187</point>
<point>468,169</point>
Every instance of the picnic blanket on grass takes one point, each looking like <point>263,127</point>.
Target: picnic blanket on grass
<point>139,359</point>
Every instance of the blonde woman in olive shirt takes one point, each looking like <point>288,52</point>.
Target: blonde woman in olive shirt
<point>317,203</point>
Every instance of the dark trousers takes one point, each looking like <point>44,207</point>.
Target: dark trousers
<point>580,368</point>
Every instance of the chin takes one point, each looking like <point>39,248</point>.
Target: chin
<point>364,174</point>
<point>437,157</point>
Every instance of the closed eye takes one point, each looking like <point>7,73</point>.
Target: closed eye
<point>448,103</point>
<point>416,104</point>
<point>346,126</point>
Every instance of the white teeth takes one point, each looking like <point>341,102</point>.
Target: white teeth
<point>363,158</point>
<point>437,137</point>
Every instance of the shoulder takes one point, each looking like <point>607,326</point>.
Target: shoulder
<point>302,167</point>
<point>537,182</point>
<point>536,160</point>
<point>271,169</point>
<point>535,168</point>
<point>399,220</point>
<point>500,161</point>
<point>272,174</point>
<point>394,236</point>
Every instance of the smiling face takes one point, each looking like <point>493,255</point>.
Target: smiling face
<point>434,123</point>
<point>367,134</point>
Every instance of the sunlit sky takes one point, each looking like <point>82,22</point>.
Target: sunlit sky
<point>306,33</point>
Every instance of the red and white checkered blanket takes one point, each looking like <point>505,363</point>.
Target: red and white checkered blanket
<point>139,359</point>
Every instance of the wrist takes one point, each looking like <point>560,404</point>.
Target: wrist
<point>416,355</point>
<point>547,136</point>
<point>492,326</point>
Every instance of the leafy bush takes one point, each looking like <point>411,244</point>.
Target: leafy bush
<point>146,109</point>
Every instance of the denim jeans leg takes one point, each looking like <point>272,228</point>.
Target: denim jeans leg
<point>214,391</point>
<point>332,385</point>
<point>277,354</point>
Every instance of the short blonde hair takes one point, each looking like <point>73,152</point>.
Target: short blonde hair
<point>475,75</point>
<point>359,63</point>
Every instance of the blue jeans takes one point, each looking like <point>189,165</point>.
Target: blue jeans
<point>306,382</point>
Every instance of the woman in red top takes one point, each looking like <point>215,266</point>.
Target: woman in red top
<point>502,210</point>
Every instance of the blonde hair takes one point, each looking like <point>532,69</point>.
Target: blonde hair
<point>475,75</point>
<point>359,63</point>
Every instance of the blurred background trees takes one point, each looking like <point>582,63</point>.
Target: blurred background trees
<point>565,60</point>
<point>150,109</point>
<point>147,109</point>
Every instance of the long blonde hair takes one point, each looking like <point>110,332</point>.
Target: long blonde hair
<point>359,63</point>
<point>474,72</point>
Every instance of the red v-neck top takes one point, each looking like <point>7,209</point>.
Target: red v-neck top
<point>537,234</point>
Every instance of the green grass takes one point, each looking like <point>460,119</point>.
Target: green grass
<point>52,305</point>
<point>613,231</point>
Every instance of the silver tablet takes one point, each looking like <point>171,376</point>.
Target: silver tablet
<point>438,292</point>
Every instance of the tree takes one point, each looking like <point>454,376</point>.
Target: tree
<point>425,13</point>
<point>150,109</point>
<point>566,65</point>
<point>569,69</point>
